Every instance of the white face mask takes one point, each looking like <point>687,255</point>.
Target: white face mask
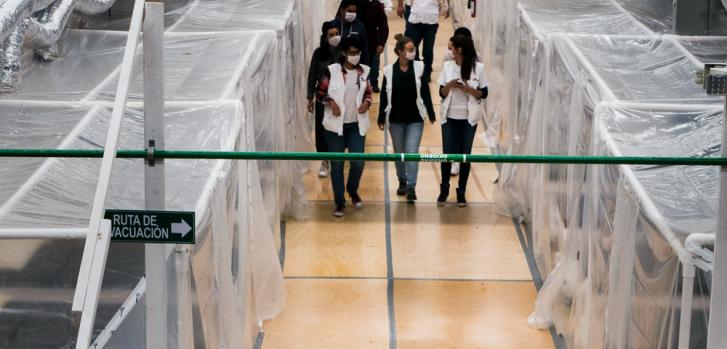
<point>334,41</point>
<point>350,16</point>
<point>411,55</point>
<point>449,56</point>
<point>354,59</point>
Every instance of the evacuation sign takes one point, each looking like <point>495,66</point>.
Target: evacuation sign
<point>151,226</point>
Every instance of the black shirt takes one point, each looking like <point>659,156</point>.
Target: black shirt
<point>318,65</point>
<point>403,97</point>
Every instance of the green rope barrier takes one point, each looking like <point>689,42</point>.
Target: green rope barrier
<point>232,155</point>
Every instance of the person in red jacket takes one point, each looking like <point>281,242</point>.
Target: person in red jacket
<point>373,16</point>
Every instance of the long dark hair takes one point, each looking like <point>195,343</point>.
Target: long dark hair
<point>469,55</point>
<point>324,53</point>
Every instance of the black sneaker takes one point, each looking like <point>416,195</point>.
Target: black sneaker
<point>401,190</point>
<point>411,195</point>
<point>356,200</point>
<point>338,213</point>
<point>443,194</point>
<point>375,89</point>
<point>461,201</point>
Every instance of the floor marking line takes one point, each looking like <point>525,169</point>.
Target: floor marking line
<point>389,257</point>
<point>303,277</point>
<point>558,341</point>
<point>259,340</point>
<point>282,245</point>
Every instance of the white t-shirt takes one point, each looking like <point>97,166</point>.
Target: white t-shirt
<point>349,97</point>
<point>424,11</point>
<point>458,105</point>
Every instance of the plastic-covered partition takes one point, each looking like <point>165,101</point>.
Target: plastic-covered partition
<point>596,77</point>
<point>233,81</point>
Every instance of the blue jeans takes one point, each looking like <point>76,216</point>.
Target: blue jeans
<point>374,74</point>
<point>457,138</point>
<point>419,32</point>
<point>352,140</point>
<point>406,138</point>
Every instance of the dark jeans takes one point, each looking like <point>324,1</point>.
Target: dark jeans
<point>374,75</point>
<point>352,140</point>
<point>321,145</point>
<point>457,137</point>
<point>419,32</point>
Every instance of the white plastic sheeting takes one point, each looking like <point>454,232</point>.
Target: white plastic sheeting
<point>592,77</point>
<point>233,81</point>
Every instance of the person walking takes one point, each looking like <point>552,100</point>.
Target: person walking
<point>345,92</point>
<point>405,102</point>
<point>422,26</point>
<point>405,10</point>
<point>350,25</point>
<point>449,56</point>
<point>462,86</point>
<point>373,16</point>
<point>323,56</point>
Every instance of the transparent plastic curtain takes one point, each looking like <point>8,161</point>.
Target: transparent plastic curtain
<point>233,81</point>
<point>596,77</point>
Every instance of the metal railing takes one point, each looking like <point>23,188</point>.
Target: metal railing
<point>406,157</point>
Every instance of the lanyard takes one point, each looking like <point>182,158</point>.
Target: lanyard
<point>349,31</point>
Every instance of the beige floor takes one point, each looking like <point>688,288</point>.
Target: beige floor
<point>460,278</point>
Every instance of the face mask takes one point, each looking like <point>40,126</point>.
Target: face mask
<point>334,41</point>
<point>449,56</point>
<point>350,16</point>
<point>354,59</point>
<point>411,55</point>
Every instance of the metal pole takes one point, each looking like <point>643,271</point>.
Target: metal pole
<point>104,177</point>
<point>185,338</point>
<point>155,263</point>
<point>685,320</point>
<point>717,336</point>
<point>90,301</point>
<point>407,157</point>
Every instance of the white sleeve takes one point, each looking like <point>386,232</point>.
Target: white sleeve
<point>442,78</point>
<point>482,76</point>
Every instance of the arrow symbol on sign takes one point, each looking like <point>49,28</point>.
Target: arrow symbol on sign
<point>181,228</point>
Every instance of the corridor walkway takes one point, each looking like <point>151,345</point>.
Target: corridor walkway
<point>395,275</point>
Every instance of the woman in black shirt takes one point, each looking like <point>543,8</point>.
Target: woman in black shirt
<point>326,54</point>
<point>405,102</point>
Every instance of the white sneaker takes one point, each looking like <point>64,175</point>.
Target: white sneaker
<point>455,169</point>
<point>323,172</point>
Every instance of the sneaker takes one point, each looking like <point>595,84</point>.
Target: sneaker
<point>401,190</point>
<point>461,201</point>
<point>455,169</point>
<point>411,195</point>
<point>443,194</point>
<point>338,213</point>
<point>356,200</point>
<point>375,89</point>
<point>323,172</point>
